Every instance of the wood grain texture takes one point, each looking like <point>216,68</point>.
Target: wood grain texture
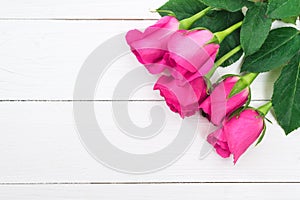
<point>43,45</point>
<point>40,60</point>
<point>147,192</point>
<point>39,144</point>
<point>79,9</point>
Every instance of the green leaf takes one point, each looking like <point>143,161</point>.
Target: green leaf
<point>214,21</point>
<point>286,96</point>
<point>230,5</point>
<point>255,25</point>
<point>281,45</point>
<point>291,20</point>
<point>279,9</point>
<point>182,8</point>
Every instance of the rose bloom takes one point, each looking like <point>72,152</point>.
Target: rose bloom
<point>182,99</point>
<point>189,55</point>
<point>237,134</point>
<point>150,46</point>
<point>217,106</point>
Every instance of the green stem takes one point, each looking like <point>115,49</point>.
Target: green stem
<point>264,109</point>
<point>187,23</point>
<point>250,77</point>
<point>212,71</point>
<point>222,60</point>
<point>220,36</point>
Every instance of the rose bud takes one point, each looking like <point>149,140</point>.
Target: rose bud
<point>219,105</point>
<point>237,133</point>
<point>183,99</point>
<point>189,54</point>
<point>150,46</point>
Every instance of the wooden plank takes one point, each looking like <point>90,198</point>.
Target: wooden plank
<point>40,60</point>
<point>83,9</point>
<point>39,144</point>
<point>166,191</point>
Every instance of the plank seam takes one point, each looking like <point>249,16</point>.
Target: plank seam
<point>68,100</point>
<point>152,183</point>
<point>78,19</point>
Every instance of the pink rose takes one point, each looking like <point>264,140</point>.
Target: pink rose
<point>150,46</point>
<point>182,99</point>
<point>189,54</point>
<point>217,106</point>
<point>237,134</point>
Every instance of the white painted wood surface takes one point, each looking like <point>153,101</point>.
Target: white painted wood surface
<point>79,9</point>
<point>43,45</point>
<point>39,143</point>
<point>41,59</point>
<point>149,192</point>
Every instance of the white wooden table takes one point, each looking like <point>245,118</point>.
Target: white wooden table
<point>43,44</point>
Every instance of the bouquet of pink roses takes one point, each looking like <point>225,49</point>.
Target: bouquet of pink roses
<point>195,37</point>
